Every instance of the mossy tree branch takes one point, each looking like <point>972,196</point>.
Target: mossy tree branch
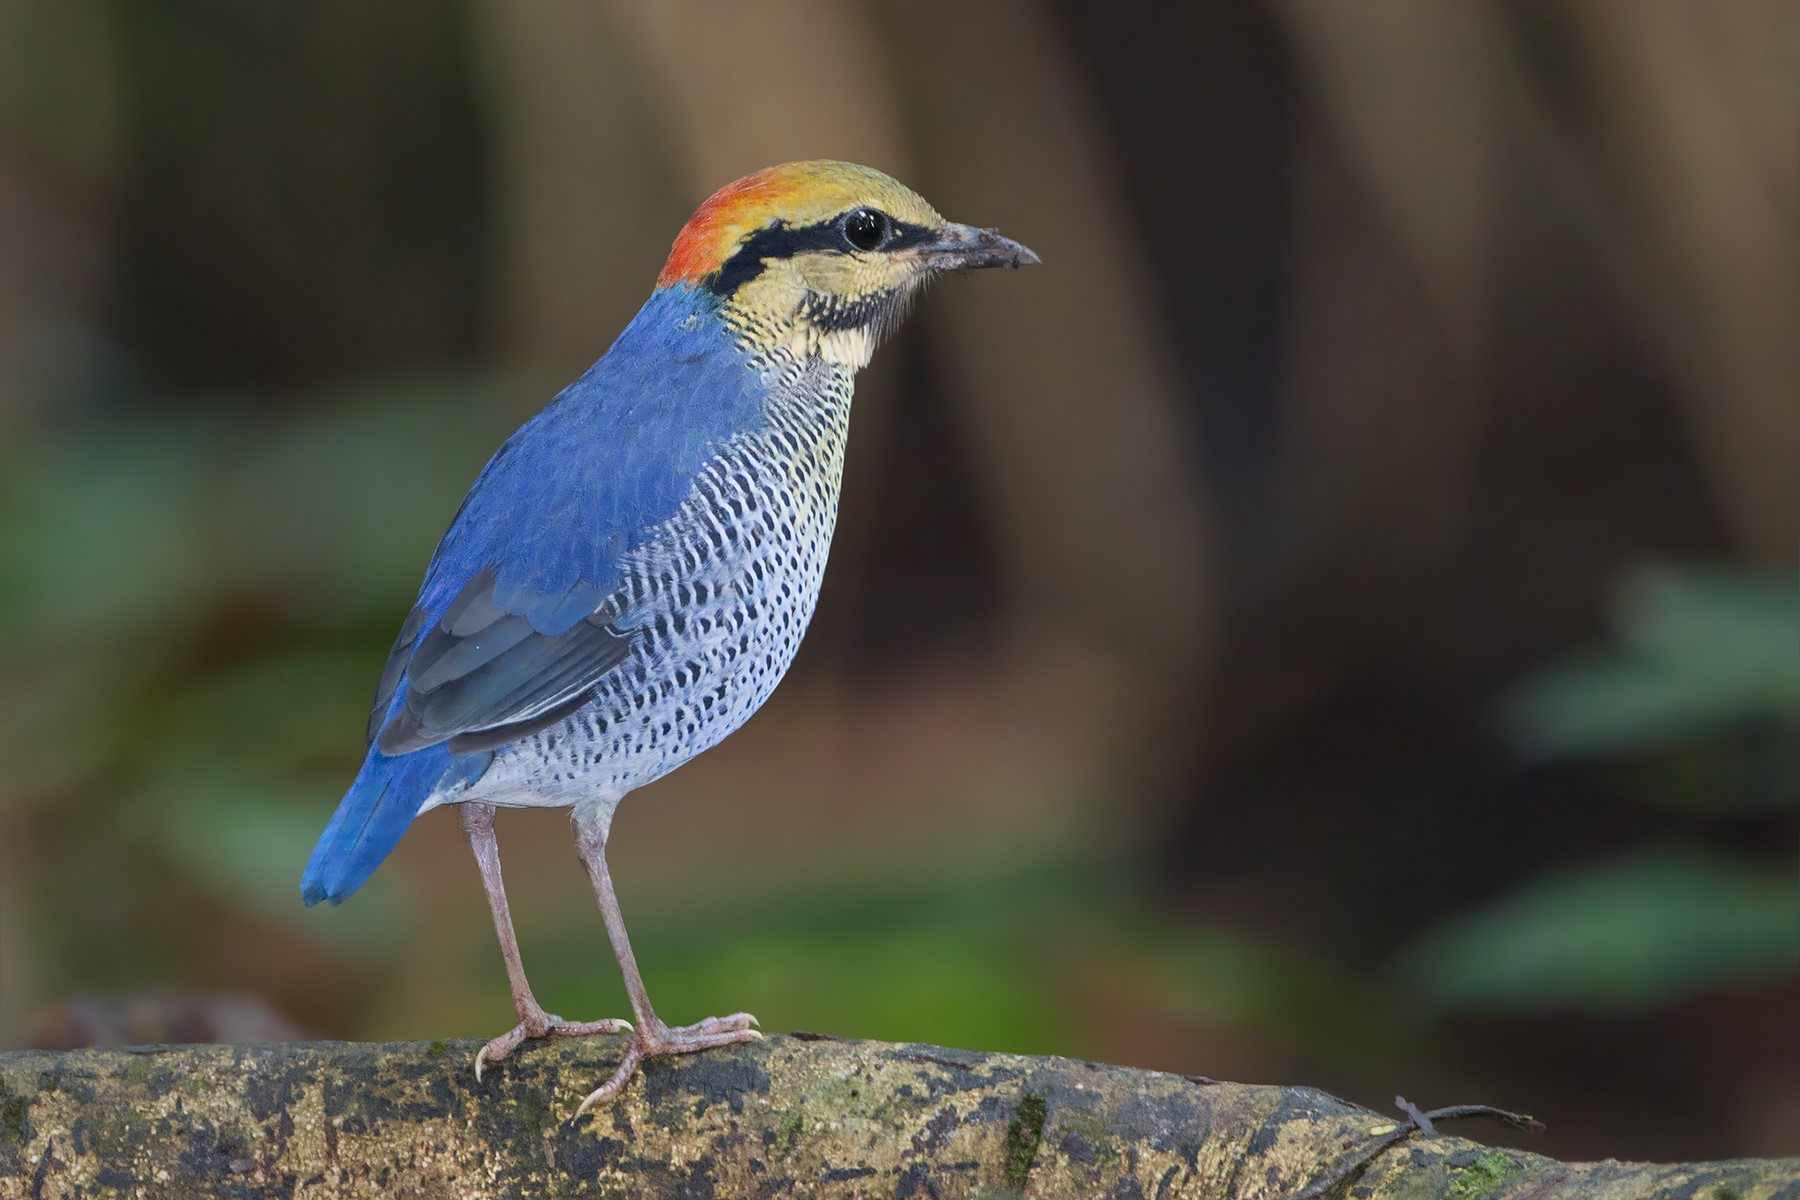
<point>798,1116</point>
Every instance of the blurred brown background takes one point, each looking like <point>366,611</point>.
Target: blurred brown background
<point>1335,622</point>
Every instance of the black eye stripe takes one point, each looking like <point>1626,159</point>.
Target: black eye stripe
<point>784,241</point>
<point>907,236</point>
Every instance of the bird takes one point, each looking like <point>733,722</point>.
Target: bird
<point>633,570</point>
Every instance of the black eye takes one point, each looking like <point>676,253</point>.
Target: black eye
<point>865,228</point>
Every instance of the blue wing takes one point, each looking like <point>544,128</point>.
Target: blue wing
<point>521,612</point>
<point>519,617</point>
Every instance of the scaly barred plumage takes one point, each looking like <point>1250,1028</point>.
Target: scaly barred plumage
<point>633,571</point>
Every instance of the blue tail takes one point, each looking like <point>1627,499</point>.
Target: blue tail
<point>374,815</point>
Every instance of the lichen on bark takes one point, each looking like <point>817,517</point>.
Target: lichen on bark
<point>792,1116</point>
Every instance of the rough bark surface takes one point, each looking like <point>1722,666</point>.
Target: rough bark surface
<point>792,1116</point>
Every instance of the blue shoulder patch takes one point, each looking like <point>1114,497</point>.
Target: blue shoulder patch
<point>584,482</point>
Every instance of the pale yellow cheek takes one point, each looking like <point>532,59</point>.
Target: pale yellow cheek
<point>775,296</point>
<point>853,277</point>
<point>772,298</point>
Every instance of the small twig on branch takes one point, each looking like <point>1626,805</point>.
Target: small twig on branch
<point>1418,1122</point>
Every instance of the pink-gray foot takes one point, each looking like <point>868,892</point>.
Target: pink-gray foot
<point>534,1022</point>
<point>656,1040</point>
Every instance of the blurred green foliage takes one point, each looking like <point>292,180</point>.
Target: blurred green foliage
<point>1649,928</point>
<point>1707,663</point>
<point>194,599</point>
<point>1699,701</point>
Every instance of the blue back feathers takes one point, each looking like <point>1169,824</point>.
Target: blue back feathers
<point>533,551</point>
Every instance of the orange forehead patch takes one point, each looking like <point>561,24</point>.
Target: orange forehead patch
<point>717,226</point>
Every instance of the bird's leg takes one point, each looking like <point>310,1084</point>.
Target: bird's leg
<point>478,827</point>
<point>651,1038</point>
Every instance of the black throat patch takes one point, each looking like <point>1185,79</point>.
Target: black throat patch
<point>878,312</point>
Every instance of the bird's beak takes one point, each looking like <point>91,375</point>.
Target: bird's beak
<point>963,247</point>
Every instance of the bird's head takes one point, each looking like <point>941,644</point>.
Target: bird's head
<point>824,257</point>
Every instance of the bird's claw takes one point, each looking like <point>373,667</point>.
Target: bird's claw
<point>736,1021</point>
<point>543,1024</point>
<point>663,1042</point>
<point>609,1091</point>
